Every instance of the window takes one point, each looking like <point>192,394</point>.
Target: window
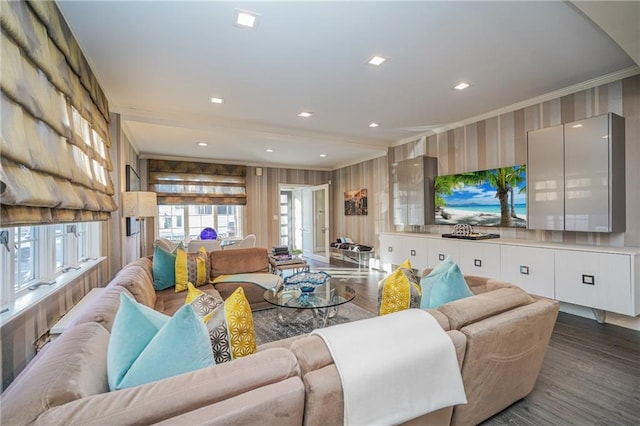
<point>286,198</point>
<point>60,234</point>
<point>24,256</point>
<point>185,222</point>
<point>228,221</point>
<point>40,253</point>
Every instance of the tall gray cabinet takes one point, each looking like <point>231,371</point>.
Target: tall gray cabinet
<point>576,176</point>
<point>413,191</point>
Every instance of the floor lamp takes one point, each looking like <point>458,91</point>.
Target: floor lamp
<point>140,204</point>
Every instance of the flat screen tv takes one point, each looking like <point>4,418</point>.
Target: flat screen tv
<point>495,197</point>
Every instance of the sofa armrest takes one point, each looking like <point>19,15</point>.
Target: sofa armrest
<point>164,399</point>
<point>476,308</point>
<point>503,358</point>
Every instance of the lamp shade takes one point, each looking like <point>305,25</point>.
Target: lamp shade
<point>139,204</point>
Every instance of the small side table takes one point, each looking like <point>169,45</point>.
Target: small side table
<point>295,265</point>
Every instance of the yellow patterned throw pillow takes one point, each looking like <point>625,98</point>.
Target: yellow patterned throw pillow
<point>230,325</point>
<point>191,267</point>
<point>399,291</point>
<point>202,303</point>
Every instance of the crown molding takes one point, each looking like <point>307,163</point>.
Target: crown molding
<point>589,84</point>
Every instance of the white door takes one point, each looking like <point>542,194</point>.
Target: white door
<point>307,221</point>
<point>320,230</point>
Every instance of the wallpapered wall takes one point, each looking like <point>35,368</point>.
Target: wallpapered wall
<point>263,199</point>
<point>372,176</point>
<point>498,142</point>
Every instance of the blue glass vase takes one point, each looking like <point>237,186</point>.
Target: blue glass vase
<point>208,234</point>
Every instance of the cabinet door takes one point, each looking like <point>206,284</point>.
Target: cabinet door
<point>480,259</point>
<point>586,162</point>
<point>415,249</point>
<point>531,269</point>
<point>596,280</point>
<point>545,179</point>
<point>438,250</point>
<point>391,250</point>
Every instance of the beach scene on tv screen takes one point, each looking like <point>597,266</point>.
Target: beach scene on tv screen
<point>495,197</point>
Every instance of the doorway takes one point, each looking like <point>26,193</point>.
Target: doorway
<point>304,220</point>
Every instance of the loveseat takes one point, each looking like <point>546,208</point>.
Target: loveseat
<point>500,336</point>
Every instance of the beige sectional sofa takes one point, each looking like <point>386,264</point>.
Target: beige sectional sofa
<point>500,336</point>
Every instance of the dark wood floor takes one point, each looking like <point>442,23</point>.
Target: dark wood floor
<point>590,375</point>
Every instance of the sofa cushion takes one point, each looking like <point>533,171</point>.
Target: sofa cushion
<point>164,268</point>
<point>476,308</point>
<point>168,301</point>
<point>443,285</point>
<point>103,309</point>
<point>146,345</point>
<point>137,278</point>
<point>191,267</point>
<point>74,367</point>
<point>231,329</point>
<point>167,244</point>
<point>240,261</point>
<point>399,291</point>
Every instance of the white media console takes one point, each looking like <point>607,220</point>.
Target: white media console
<point>605,279</point>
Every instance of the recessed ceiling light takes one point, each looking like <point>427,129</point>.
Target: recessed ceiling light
<point>323,155</point>
<point>305,114</point>
<point>246,19</point>
<point>269,150</point>
<point>461,86</point>
<point>575,126</point>
<point>374,124</point>
<point>377,60</point>
<point>215,100</point>
<point>201,144</point>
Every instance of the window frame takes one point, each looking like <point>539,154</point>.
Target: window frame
<point>44,249</point>
<point>186,226</point>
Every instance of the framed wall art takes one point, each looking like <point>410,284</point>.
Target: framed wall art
<point>355,202</point>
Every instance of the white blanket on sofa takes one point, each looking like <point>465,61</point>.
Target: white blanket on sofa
<point>394,368</point>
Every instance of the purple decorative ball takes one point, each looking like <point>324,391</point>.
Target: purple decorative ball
<point>208,234</point>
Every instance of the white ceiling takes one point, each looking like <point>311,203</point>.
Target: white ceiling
<point>160,62</point>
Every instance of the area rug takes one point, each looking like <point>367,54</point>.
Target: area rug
<point>269,329</point>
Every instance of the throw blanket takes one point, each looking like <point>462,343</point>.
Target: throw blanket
<point>264,280</point>
<point>394,368</point>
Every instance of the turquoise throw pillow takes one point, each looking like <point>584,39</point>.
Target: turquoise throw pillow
<point>443,285</point>
<point>146,346</point>
<point>164,268</point>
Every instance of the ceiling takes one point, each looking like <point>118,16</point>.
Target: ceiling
<point>160,62</point>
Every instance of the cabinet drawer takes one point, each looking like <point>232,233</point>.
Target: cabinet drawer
<point>596,280</point>
<point>391,250</point>
<point>439,250</point>
<point>480,259</point>
<point>415,249</point>
<point>531,269</point>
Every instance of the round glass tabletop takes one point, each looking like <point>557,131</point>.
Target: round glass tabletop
<point>326,295</point>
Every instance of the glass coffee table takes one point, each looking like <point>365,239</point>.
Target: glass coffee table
<point>323,301</point>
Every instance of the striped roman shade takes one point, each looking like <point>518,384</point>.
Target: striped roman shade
<point>54,143</point>
<point>184,182</point>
